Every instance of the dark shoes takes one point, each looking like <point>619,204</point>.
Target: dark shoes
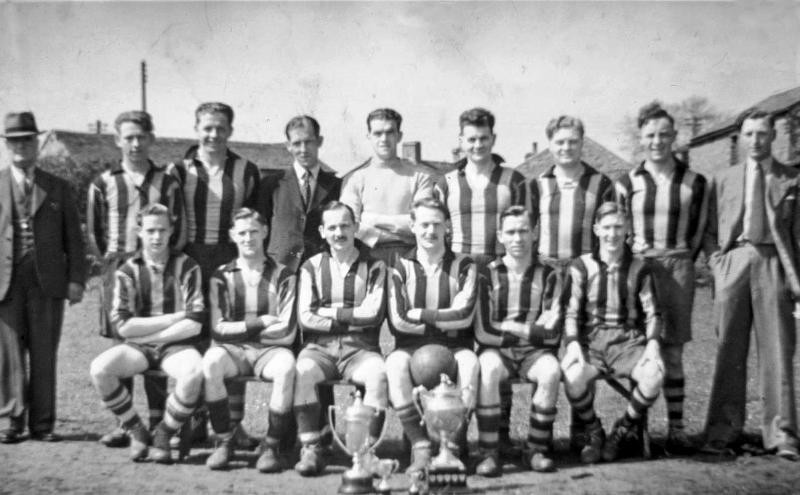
<point>594,440</point>
<point>116,439</point>
<point>613,444</point>
<point>11,435</point>
<point>678,443</point>
<point>46,436</point>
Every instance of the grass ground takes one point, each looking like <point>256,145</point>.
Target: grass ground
<point>81,465</point>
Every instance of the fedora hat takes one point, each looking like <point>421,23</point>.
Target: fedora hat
<point>20,124</point>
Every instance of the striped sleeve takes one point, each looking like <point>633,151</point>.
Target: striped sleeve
<point>548,334</point>
<point>192,288</point>
<point>308,302</point>
<point>173,199</point>
<point>400,304</point>
<point>648,303</point>
<point>123,306</point>
<point>370,311</point>
<point>223,327</point>
<point>519,195</point>
<point>575,315</point>
<point>282,331</point>
<point>460,314</point>
<point>699,214</point>
<point>486,333</point>
<point>96,217</point>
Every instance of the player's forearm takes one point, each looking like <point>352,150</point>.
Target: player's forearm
<point>521,330</point>
<point>369,313</point>
<point>181,330</point>
<point>140,326</point>
<point>312,321</point>
<point>653,328</point>
<point>571,332</point>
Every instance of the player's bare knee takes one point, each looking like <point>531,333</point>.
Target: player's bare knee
<point>547,372</point>
<point>307,374</point>
<point>212,364</point>
<point>650,377</point>
<point>491,368</point>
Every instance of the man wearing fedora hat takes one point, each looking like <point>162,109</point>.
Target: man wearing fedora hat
<point>42,263</point>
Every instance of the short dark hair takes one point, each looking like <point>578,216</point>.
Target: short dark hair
<point>214,107</point>
<point>138,117</point>
<point>246,214</point>
<point>755,113</point>
<point>476,117</point>
<point>564,122</point>
<point>338,205</point>
<point>302,122</point>
<point>384,114</point>
<point>653,111</point>
<point>515,211</point>
<point>154,210</point>
<point>609,208</point>
<point>431,203</point>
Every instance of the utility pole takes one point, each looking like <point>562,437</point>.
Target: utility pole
<point>144,86</point>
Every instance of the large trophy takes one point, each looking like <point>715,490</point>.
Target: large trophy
<point>444,413</point>
<point>357,419</point>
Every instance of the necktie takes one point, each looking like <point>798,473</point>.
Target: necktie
<point>757,223</point>
<point>306,189</point>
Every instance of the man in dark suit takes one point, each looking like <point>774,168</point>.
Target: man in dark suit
<point>42,263</point>
<point>291,199</point>
<point>754,241</point>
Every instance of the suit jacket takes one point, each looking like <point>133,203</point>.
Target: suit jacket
<point>294,232</point>
<point>782,205</point>
<point>57,237</point>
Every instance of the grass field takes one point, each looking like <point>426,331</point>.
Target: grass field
<point>81,465</point>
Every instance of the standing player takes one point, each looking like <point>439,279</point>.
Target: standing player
<point>432,295</point>
<point>216,182</point>
<point>114,200</point>
<point>382,190</point>
<point>252,330</point>
<point>518,330</point>
<point>564,200</point>
<point>158,311</point>
<point>667,205</point>
<point>479,190</point>
<point>340,310</point>
<point>612,327</point>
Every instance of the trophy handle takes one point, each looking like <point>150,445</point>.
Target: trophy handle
<point>415,398</point>
<point>331,422</point>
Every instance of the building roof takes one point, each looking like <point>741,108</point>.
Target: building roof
<point>595,154</point>
<point>84,148</point>
<point>777,105</point>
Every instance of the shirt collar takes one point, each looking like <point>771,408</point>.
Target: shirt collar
<point>766,164</point>
<point>300,171</point>
<point>19,175</point>
<point>233,265</point>
<point>551,171</point>
<point>497,160</point>
<point>627,256</point>
<point>640,169</point>
<point>412,255</point>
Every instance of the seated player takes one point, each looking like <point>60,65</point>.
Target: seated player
<point>612,328</point>
<point>158,310</point>
<point>518,330</point>
<point>340,309</point>
<point>432,295</point>
<point>252,330</point>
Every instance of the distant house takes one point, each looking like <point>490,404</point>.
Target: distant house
<point>594,154</point>
<point>90,150</point>
<point>719,146</point>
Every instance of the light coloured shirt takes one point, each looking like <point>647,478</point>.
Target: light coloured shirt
<point>381,197</point>
<point>300,172</point>
<point>747,218</point>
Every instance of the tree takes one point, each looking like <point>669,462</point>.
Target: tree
<point>693,116</point>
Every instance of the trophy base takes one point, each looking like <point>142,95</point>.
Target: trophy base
<point>356,483</point>
<point>447,477</point>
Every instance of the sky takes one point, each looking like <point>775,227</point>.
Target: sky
<point>74,63</point>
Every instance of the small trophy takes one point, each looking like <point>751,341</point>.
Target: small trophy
<point>357,419</point>
<point>444,412</point>
<point>385,468</point>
